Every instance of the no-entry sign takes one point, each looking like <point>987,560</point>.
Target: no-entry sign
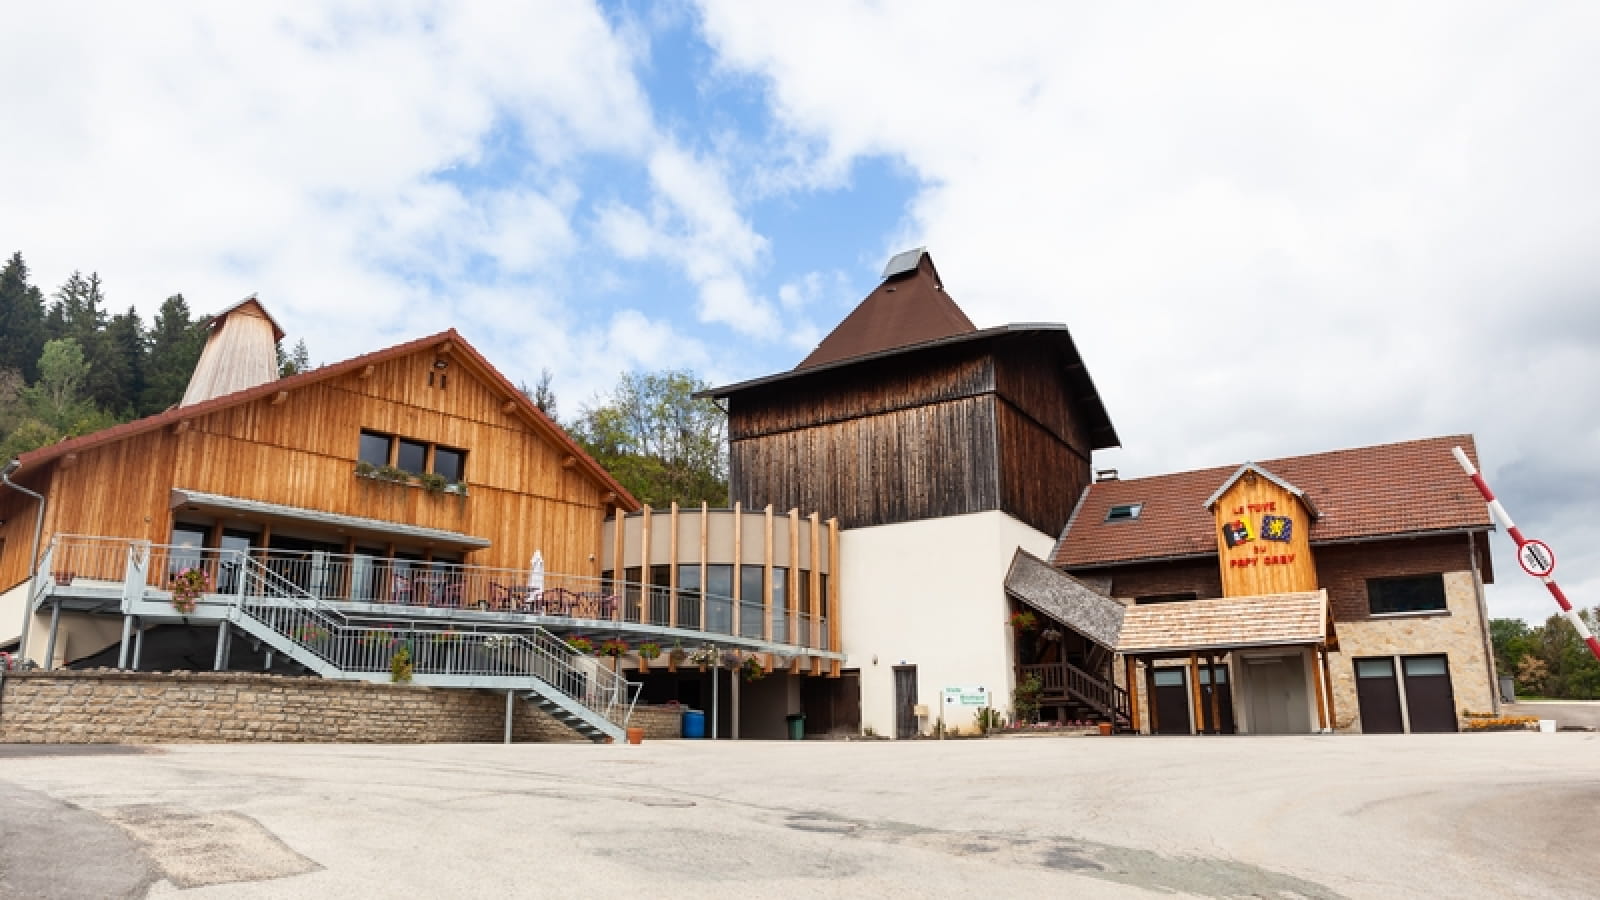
<point>1537,558</point>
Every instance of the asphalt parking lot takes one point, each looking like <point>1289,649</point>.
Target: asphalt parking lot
<point>1496,815</point>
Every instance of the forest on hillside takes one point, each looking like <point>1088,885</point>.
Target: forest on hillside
<point>69,366</point>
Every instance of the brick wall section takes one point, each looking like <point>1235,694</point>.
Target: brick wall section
<point>1344,568</point>
<point>1199,575</point>
<point>104,706</point>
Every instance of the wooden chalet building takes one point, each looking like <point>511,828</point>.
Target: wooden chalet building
<point>940,448</point>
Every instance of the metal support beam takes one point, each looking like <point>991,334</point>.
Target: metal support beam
<point>50,648</point>
<point>733,702</point>
<point>267,666</point>
<point>138,641</point>
<point>127,635</point>
<point>511,699</point>
<point>222,646</point>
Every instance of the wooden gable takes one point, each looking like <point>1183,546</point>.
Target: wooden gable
<point>1263,528</point>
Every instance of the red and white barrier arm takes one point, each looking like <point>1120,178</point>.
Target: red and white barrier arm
<point>1500,514</point>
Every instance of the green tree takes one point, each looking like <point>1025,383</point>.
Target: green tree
<point>1513,641</point>
<point>543,394</point>
<point>175,342</point>
<point>659,440</point>
<point>21,320</point>
<point>1573,672</point>
<point>127,348</point>
<point>295,362</point>
<point>61,373</point>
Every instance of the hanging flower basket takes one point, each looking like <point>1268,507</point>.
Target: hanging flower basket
<point>704,656</point>
<point>1051,634</point>
<point>187,586</point>
<point>751,668</point>
<point>1024,621</point>
<point>581,644</point>
<point>613,648</point>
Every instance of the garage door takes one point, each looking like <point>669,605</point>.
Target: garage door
<point>1429,699</point>
<point>1378,695</point>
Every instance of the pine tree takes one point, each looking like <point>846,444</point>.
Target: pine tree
<point>175,344</point>
<point>295,362</point>
<point>21,320</point>
<point>128,346</point>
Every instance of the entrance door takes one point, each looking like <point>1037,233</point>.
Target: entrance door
<point>1277,688</point>
<point>1170,689</point>
<point>1430,702</point>
<point>1378,696</point>
<point>905,702</point>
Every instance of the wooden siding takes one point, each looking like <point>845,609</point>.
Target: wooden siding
<point>1041,476</point>
<point>922,462</point>
<point>863,390</point>
<point>1035,380</point>
<point>301,451</point>
<point>1257,565</point>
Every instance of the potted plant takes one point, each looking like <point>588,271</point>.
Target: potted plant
<point>1023,621</point>
<point>366,469</point>
<point>704,656</point>
<point>400,666</point>
<point>580,644</point>
<point>187,586</point>
<point>751,668</point>
<point>391,473</point>
<point>648,651</point>
<point>432,483</point>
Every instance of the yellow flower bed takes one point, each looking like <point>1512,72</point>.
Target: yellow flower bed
<point>1502,723</point>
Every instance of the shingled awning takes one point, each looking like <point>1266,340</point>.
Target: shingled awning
<point>1226,623</point>
<point>1065,599</point>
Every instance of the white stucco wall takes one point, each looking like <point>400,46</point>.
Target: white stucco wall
<point>931,594</point>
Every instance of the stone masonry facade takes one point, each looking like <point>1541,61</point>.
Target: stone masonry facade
<point>106,706</point>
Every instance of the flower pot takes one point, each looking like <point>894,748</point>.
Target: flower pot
<point>635,735</point>
<point>1105,728</point>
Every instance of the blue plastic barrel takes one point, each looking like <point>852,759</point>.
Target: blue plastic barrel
<point>694,723</point>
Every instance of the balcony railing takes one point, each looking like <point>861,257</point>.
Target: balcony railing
<point>358,579</point>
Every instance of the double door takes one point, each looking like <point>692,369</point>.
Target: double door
<point>1429,698</point>
<point>1172,699</point>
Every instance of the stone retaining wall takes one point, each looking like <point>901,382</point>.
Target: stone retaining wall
<point>106,706</point>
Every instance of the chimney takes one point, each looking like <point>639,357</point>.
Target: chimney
<point>240,353</point>
<point>1105,475</point>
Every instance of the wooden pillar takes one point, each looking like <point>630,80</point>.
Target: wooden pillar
<point>619,569</point>
<point>1132,665</point>
<point>792,589</point>
<point>814,595</point>
<point>1216,702</point>
<point>705,541</point>
<point>1199,724</point>
<point>1155,708</point>
<point>1327,684</point>
<point>766,577</point>
<point>1319,681</point>
<point>672,568</point>
<point>833,593</point>
<point>734,627</point>
<point>644,564</point>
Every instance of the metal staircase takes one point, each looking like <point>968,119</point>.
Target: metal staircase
<point>572,688</point>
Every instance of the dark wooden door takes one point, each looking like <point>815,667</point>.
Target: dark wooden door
<point>905,702</point>
<point>1215,679</point>
<point>1170,690</point>
<point>1430,701</point>
<point>1378,694</point>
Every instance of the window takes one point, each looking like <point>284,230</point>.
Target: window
<point>752,600</point>
<point>450,463</point>
<point>1413,593</point>
<point>780,604</point>
<point>1183,597</point>
<point>375,448</point>
<point>689,596</point>
<point>1124,512</point>
<point>413,457</point>
<point>719,590</point>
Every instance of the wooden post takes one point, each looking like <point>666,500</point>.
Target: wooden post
<point>672,569</point>
<point>1216,702</point>
<point>1318,680</point>
<point>1155,708</point>
<point>738,568</point>
<point>644,565</point>
<point>1327,685</point>
<point>791,590</point>
<point>833,593</point>
<point>1199,724</point>
<point>1132,665</point>
<point>766,578</point>
<point>619,571</point>
<point>705,540</point>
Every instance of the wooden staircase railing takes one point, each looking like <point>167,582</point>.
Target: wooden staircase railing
<point>1067,680</point>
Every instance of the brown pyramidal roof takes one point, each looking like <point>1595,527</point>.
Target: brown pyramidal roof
<point>1409,489</point>
<point>907,308</point>
<point>449,341</point>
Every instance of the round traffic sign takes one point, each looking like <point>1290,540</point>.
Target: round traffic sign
<point>1537,558</point>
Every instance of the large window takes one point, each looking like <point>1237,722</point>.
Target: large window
<point>1413,593</point>
<point>752,602</point>
<point>719,591</point>
<point>780,604</point>
<point>413,457</point>
<point>375,448</point>
<point>450,463</point>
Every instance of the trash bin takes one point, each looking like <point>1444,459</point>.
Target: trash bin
<point>797,726</point>
<point>1508,689</point>
<point>694,723</point>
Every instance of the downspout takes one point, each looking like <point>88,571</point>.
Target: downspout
<point>1483,619</point>
<point>33,558</point>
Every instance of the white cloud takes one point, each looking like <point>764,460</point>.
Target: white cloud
<point>1273,230</point>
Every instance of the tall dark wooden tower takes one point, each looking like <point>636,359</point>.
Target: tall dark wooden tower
<point>906,411</point>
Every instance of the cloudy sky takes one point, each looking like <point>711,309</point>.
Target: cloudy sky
<point>1273,229</point>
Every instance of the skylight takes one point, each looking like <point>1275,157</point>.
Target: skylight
<point>1123,512</point>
